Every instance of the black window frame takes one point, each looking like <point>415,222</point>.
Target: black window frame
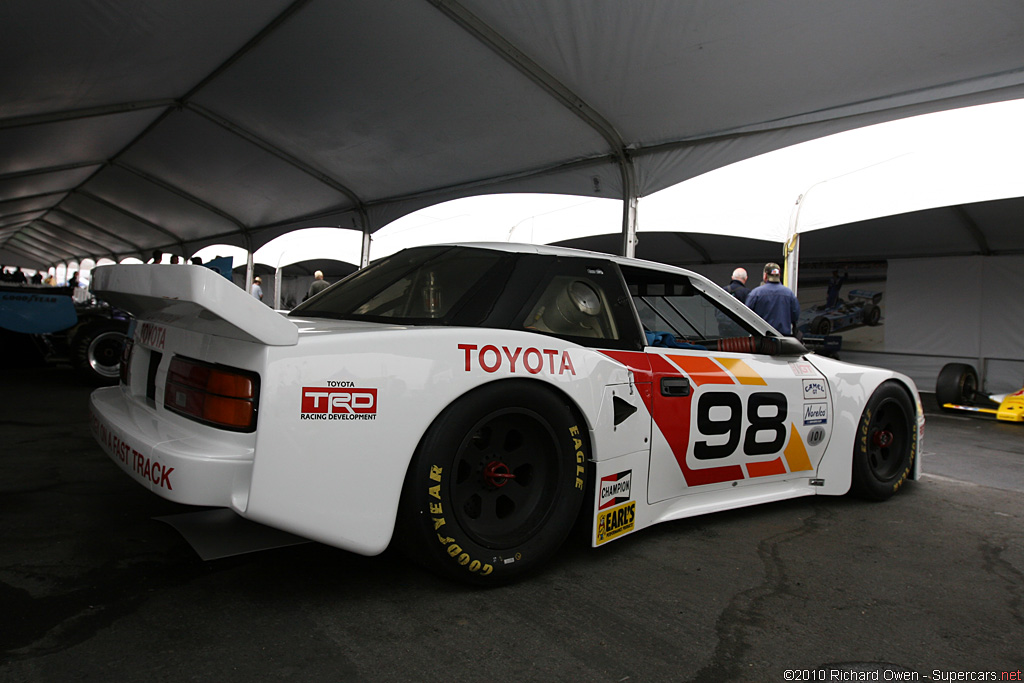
<point>470,309</point>
<point>641,277</point>
<point>616,293</point>
<point>505,295</point>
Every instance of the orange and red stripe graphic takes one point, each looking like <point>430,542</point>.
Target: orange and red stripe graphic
<point>672,414</point>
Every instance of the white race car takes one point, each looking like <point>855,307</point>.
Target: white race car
<point>472,401</point>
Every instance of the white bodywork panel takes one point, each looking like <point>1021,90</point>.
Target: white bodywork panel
<point>206,301</point>
<point>343,406</point>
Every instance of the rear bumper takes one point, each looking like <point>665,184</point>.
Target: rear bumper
<point>167,460</point>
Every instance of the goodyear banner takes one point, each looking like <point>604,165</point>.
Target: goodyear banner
<point>36,310</point>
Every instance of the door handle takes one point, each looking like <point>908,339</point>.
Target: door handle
<point>675,386</point>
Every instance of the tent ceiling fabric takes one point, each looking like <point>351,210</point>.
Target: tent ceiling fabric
<point>944,231</point>
<point>131,126</point>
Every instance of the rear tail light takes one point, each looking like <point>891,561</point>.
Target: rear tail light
<point>123,370</point>
<point>216,395</point>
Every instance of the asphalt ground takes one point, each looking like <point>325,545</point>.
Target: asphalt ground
<point>929,584</point>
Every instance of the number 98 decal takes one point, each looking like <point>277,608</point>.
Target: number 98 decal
<point>720,414</point>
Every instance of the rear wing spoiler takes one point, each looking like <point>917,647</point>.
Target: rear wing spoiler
<point>194,298</point>
<point>868,295</point>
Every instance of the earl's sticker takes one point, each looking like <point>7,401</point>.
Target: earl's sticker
<point>615,522</point>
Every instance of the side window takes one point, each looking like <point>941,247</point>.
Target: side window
<point>572,306</point>
<point>582,301</point>
<point>670,304</point>
<point>430,291</point>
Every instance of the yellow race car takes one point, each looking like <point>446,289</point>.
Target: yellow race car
<point>957,389</point>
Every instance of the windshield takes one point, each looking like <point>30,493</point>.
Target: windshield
<point>427,285</point>
<point>669,303</point>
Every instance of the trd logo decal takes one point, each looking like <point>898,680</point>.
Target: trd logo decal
<point>326,403</point>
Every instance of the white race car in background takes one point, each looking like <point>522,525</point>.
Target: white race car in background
<point>471,401</point>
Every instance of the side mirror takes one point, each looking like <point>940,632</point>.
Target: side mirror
<point>784,346</point>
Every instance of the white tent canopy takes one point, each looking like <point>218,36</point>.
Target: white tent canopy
<point>530,218</point>
<point>132,126</point>
<point>944,159</point>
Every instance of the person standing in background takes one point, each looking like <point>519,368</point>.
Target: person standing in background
<point>835,283</point>
<point>257,290</point>
<point>317,285</point>
<point>775,302</point>
<point>738,286</point>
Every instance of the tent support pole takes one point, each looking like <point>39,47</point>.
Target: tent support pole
<point>278,279</point>
<point>364,252</point>
<point>791,272</point>
<point>364,248</point>
<point>630,202</point>
<point>248,271</point>
<point>791,247</point>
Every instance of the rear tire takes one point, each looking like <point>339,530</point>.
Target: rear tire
<point>957,383</point>
<point>96,351</point>
<point>495,485</point>
<point>886,444</point>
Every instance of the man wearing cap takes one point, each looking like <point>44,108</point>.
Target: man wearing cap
<point>257,290</point>
<point>774,301</point>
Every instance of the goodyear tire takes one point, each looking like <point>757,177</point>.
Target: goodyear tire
<point>872,314</point>
<point>495,485</point>
<point>957,383</point>
<point>821,325</point>
<point>886,444</point>
<point>96,351</point>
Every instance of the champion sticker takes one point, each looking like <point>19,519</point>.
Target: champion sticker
<point>615,489</point>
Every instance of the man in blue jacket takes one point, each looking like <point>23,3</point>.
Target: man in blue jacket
<point>775,302</point>
<point>738,285</point>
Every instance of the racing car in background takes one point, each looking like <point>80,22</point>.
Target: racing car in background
<point>862,308</point>
<point>957,389</point>
<point>40,324</point>
<point>470,402</point>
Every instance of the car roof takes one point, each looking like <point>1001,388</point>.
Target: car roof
<point>548,250</point>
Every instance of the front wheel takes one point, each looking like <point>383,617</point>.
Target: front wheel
<point>821,325</point>
<point>495,485</point>
<point>886,445</point>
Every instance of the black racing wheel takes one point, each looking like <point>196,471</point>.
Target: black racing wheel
<point>496,484</point>
<point>886,444</point>
<point>872,314</point>
<point>957,383</point>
